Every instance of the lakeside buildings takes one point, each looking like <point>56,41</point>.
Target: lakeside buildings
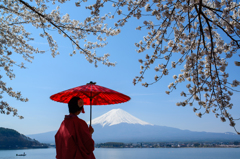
<point>170,145</point>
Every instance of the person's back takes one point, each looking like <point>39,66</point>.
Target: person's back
<point>73,139</point>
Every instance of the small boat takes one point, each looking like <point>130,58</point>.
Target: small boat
<point>21,154</point>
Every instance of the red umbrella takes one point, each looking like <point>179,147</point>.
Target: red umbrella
<point>91,94</point>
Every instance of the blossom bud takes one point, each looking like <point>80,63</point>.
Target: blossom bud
<point>232,123</point>
<point>194,109</point>
<point>156,77</point>
<point>147,57</point>
<point>237,63</point>
<point>223,119</point>
<point>77,4</point>
<point>199,114</point>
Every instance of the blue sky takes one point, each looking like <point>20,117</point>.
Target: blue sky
<point>47,76</point>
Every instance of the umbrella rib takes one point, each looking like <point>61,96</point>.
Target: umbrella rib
<point>103,99</point>
<point>91,95</point>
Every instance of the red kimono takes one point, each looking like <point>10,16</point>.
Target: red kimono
<point>73,140</point>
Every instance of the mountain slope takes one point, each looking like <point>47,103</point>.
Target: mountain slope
<point>47,137</point>
<point>119,126</point>
<point>11,139</point>
<point>138,133</point>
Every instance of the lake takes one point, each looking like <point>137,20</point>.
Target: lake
<point>134,153</point>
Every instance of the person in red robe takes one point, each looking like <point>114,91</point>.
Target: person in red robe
<point>74,138</point>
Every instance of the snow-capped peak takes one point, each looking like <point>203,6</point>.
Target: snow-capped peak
<point>117,116</point>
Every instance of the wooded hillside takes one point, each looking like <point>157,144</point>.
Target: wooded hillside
<point>11,139</point>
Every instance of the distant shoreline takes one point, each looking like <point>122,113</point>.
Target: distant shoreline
<point>126,148</point>
<point>162,147</point>
<point>142,145</point>
<point>24,148</point>
<point>168,145</point>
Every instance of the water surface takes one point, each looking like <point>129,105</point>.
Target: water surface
<point>133,153</point>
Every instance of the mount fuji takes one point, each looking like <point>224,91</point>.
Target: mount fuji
<point>117,116</point>
<point>118,125</point>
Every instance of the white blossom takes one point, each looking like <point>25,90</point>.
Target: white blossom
<point>165,71</point>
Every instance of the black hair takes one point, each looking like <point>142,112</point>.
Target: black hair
<point>73,105</point>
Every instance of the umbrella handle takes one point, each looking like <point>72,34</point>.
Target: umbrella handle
<point>90,112</point>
